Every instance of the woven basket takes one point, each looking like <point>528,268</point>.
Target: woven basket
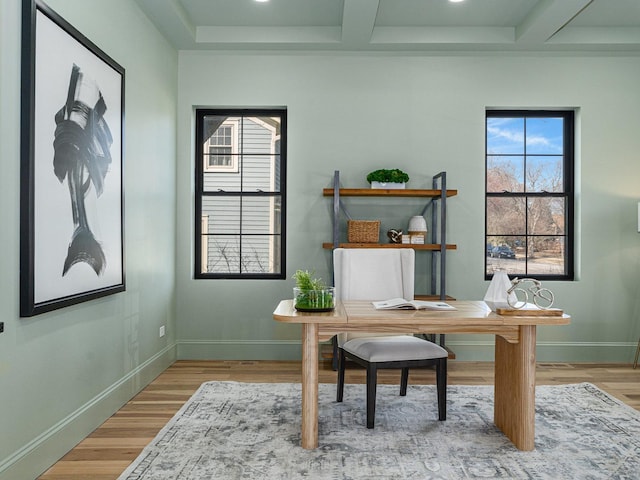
<point>363,231</point>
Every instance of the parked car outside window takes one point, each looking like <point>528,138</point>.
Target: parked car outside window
<point>502,251</point>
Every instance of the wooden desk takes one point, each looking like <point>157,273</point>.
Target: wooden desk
<point>515,353</point>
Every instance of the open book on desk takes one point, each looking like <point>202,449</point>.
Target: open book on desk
<point>402,304</point>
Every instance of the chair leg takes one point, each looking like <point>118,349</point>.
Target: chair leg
<point>441,382</point>
<point>372,381</point>
<point>341,367</point>
<point>635,361</point>
<point>404,380</point>
<point>334,346</point>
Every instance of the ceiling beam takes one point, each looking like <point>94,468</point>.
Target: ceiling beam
<point>547,18</point>
<point>358,20</point>
<point>597,36</point>
<point>443,35</point>
<point>268,35</point>
<point>171,19</point>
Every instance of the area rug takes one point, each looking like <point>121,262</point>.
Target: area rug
<point>231,430</point>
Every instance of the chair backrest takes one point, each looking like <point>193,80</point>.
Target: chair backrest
<point>372,274</point>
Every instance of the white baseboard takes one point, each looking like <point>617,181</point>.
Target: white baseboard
<point>239,349</point>
<point>46,449</point>
<point>557,352</point>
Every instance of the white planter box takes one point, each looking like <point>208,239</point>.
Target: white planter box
<point>388,185</point>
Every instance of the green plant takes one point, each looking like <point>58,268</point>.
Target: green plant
<point>311,293</point>
<point>385,176</point>
<point>305,281</point>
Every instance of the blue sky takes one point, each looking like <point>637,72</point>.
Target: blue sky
<point>505,135</point>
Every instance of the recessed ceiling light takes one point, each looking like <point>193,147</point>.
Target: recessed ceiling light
<point>456,1</point>
<point>262,1</point>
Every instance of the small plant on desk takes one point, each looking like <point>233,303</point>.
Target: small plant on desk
<point>311,294</point>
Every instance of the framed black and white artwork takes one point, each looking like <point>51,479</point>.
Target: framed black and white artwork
<point>72,200</point>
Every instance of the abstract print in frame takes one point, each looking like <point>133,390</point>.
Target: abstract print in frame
<point>72,202</point>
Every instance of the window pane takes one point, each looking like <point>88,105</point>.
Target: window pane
<point>506,216</point>
<point>546,216</point>
<point>223,181</point>
<point>260,254</point>
<point>545,255</point>
<point>218,158</point>
<point>220,131</point>
<point>221,214</point>
<point>545,135</point>
<point>254,174</point>
<point>225,151</point>
<point>506,253</point>
<point>259,135</point>
<point>210,124</point>
<point>505,136</point>
<point>221,136</point>
<point>221,254</point>
<point>505,174</point>
<point>261,215</point>
<point>259,173</point>
<point>544,174</point>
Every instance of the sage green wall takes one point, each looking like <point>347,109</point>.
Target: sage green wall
<point>63,373</point>
<point>424,114</point>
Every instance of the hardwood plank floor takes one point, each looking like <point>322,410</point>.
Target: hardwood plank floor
<point>108,451</point>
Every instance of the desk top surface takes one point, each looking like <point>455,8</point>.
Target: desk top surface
<point>362,312</point>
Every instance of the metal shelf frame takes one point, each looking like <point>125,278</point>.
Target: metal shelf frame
<point>438,217</point>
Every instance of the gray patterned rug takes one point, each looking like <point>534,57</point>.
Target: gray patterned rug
<point>230,430</point>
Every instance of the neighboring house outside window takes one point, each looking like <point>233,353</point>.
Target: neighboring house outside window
<point>240,193</point>
<point>529,193</point>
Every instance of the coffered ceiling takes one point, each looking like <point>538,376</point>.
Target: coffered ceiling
<point>398,25</point>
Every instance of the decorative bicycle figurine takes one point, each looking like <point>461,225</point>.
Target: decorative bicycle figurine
<point>541,297</point>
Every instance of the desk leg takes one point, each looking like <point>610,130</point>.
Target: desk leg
<point>309,385</point>
<point>515,388</point>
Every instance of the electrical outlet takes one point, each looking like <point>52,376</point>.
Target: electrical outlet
<point>162,331</point>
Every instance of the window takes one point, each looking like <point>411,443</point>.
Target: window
<point>221,149</point>
<point>529,193</point>
<point>240,193</point>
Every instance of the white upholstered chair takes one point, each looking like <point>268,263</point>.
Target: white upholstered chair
<point>381,274</point>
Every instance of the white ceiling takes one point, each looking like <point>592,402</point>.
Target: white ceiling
<point>398,25</point>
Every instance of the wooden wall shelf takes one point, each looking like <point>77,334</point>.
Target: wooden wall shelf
<point>375,192</point>
<point>415,246</point>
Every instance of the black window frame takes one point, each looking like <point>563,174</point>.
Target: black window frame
<point>568,192</point>
<point>200,193</point>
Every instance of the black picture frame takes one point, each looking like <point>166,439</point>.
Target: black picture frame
<point>72,182</point>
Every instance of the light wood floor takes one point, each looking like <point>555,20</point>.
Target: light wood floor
<point>113,446</point>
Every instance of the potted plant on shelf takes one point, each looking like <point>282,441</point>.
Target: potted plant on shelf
<point>311,294</point>
<point>390,179</point>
